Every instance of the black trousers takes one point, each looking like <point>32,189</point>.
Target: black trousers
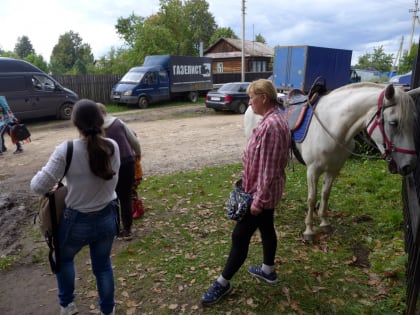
<point>241,237</point>
<point>123,189</point>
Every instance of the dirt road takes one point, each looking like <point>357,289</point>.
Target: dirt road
<point>169,143</point>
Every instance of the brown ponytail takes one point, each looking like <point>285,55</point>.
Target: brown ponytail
<point>88,119</point>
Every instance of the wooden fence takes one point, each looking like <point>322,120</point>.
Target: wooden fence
<point>92,86</point>
<point>98,87</point>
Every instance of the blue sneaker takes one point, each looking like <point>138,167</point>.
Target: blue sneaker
<point>256,271</point>
<point>215,293</point>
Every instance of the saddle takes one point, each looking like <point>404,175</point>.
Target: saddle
<point>299,110</point>
<point>297,105</point>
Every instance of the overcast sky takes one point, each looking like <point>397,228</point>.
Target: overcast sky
<point>357,25</point>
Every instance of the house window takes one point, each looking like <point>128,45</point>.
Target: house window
<point>220,67</point>
<point>259,66</point>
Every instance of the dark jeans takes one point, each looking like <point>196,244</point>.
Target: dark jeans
<point>96,230</point>
<point>241,237</point>
<point>123,189</point>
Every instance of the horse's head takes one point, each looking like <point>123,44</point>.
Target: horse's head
<point>250,122</point>
<point>392,129</point>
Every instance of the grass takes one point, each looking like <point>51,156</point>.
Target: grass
<point>183,240</point>
<point>116,108</point>
<point>6,262</point>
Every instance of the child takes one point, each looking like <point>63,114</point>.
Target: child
<point>6,122</point>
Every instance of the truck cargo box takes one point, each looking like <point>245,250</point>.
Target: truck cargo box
<point>297,67</point>
<point>186,73</point>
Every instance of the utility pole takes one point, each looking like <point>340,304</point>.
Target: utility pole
<point>243,43</point>
<point>413,23</point>
<point>398,56</point>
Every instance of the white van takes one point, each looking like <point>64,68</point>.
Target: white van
<point>31,93</point>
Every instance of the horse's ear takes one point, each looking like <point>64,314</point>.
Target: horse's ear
<point>389,92</point>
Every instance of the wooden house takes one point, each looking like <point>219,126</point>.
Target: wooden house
<point>227,56</point>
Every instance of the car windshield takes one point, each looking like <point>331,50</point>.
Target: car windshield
<point>232,87</point>
<point>132,77</point>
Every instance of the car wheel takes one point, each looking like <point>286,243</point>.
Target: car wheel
<point>143,102</point>
<point>242,108</point>
<point>193,96</point>
<point>65,111</point>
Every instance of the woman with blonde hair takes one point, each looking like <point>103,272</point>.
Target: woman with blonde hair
<point>263,176</point>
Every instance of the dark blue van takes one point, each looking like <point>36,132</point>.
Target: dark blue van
<point>31,93</point>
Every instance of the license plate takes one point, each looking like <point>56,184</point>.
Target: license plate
<point>214,98</point>
<point>116,97</point>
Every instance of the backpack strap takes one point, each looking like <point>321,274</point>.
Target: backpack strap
<point>53,239</point>
<point>69,155</point>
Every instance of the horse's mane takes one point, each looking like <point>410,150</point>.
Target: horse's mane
<point>358,86</point>
<point>406,107</point>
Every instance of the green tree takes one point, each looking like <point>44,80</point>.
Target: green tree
<point>23,47</point>
<point>222,32</point>
<point>408,59</point>
<point>172,16</point>
<point>378,60</point>
<point>177,28</point>
<point>260,39</point>
<point>128,28</point>
<point>201,23</point>
<point>9,54</point>
<point>71,56</point>
<point>150,41</point>
<point>113,62</point>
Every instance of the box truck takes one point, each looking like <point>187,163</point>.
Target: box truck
<point>31,93</point>
<point>162,78</point>
<point>297,67</point>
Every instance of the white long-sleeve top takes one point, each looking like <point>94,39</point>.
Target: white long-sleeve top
<point>86,191</point>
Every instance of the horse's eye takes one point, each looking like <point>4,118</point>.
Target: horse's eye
<point>393,123</point>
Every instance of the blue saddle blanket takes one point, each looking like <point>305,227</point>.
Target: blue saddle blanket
<point>298,127</point>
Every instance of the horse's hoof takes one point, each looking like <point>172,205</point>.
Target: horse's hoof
<point>327,229</point>
<point>308,238</point>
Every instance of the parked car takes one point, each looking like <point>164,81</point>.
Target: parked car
<point>229,97</point>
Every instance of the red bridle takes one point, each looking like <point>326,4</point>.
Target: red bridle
<point>378,121</point>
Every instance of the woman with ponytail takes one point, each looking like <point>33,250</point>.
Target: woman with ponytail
<point>90,217</point>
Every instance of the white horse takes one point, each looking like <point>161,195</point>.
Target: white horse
<point>388,114</point>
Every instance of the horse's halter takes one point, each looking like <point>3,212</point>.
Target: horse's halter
<point>378,121</point>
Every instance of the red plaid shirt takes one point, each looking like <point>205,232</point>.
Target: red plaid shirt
<point>265,159</point>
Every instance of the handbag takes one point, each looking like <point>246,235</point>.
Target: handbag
<point>19,132</point>
<point>51,207</point>
<point>238,203</point>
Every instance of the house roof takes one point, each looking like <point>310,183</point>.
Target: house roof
<point>251,49</point>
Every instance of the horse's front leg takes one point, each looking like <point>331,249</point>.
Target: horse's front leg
<point>309,234</point>
<point>323,207</point>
